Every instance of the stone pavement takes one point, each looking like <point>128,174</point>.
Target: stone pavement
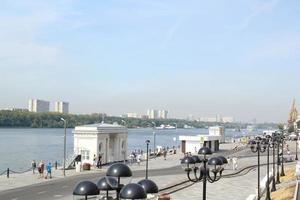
<point>24,179</point>
<point>235,188</point>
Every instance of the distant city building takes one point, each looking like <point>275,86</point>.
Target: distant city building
<point>152,114</point>
<point>217,131</point>
<point>208,119</point>
<point>133,115</point>
<point>218,118</point>
<point>163,114</point>
<point>61,107</point>
<point>157,114</point>
<point>227,119</point>
<point>144,117</point>
<point>17,109</point>
<point>37,105</point>
<point>190,117</point>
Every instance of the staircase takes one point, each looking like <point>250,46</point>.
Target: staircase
<point>70,161</point>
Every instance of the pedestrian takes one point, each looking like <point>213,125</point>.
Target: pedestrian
<point>49,169</point>
<point>33,165</point>
<point>165,154</point>
<point>41,169</point>
<point>99,163</point>
<point>235,163</point>
<point>138,159</point>
<point>94,160</point>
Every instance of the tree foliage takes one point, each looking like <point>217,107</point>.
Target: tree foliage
<point>53,120</point>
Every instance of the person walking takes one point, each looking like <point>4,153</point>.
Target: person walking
<point>41,169</point>
<point>94,160</point>
<point>99,163</point>
<point>49,170</point>
<point>33,166</point>
<point>165,154</point>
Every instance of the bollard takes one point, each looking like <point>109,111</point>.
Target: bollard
<point>55,165</point>
<point>7,173</point>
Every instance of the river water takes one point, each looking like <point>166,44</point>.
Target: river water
<point>19,146</point>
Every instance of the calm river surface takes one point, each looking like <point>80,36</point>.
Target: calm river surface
<point>19,146</point>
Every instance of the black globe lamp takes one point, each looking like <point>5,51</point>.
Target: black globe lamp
<point>85,188</point>
<point>133,191</point>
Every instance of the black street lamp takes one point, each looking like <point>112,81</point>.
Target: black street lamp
<point>278,158</point>
<point>192,164</point>
<point>274,145</point>
<point>268,142</point>
<point>133,191</point>
<point>150,188</point>
<point>258,146</point>
<point>282,144</point>
<point>147,158</point>
<point>296,158</point>
<point>107,184</point>
<point>119,170</point>
<point>86,188</point>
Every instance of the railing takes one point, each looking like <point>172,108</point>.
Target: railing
<point>70,160</point>
<point>8,172</point>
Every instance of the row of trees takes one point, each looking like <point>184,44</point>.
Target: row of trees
<point>53,120</point>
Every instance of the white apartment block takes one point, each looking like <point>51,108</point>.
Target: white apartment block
<point>163,114</point>
<point>133,115</point>
<point>227,119</point>
<point>37,105</point>
<point>61,107</point>
<point>152,114</point>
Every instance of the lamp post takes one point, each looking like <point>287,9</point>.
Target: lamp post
<point>257,146</point>
<point>282,144</point>
<point>273,178</point>
<point>65,144</point>
<point>269,145</point>
<point>86,188</point>
<point>192,164</point>
<point>296,158</point>
<point>147,142</point>
<point>119,170</point>
<point>278,161</point>
<point>154,138</point>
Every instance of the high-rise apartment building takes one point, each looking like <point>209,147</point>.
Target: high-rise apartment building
<point>61,107</point>
<point>37,105</point>
<point>157,114</point>
<point>152,114</point>
<point>163,114</point>
<point>133,115</point>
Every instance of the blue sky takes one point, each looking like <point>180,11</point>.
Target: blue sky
<point>234,58</point>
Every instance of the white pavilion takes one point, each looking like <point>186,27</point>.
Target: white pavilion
<point>107,140</point>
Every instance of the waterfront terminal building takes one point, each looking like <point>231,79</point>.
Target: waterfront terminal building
<point>191,144</point>
<point>107,140</point>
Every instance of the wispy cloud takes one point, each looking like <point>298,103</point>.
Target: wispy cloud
<point>258,10</point>
<point>171,33</point>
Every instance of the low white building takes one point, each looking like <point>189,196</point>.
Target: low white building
<point>107,140</point>
<point>192,144</point>
<point>217,131</point>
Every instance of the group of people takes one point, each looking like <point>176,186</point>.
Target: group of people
<point>97,163</point>
<point>41,168</point>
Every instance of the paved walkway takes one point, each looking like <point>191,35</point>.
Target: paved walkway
<point>234,188</point>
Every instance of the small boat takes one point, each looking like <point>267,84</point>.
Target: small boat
<point>165,127</point>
